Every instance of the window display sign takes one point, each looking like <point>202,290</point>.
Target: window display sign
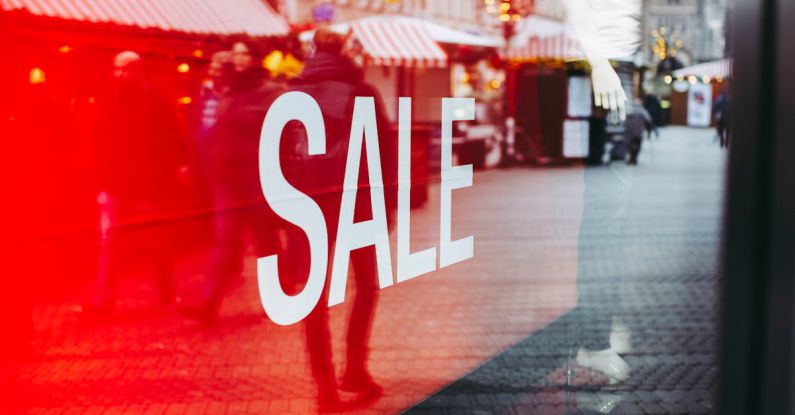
<point>575,138</point>
<point>579,96</point>
<point>699,105</point>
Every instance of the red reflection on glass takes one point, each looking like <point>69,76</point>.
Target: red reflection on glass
<point>138,215</point>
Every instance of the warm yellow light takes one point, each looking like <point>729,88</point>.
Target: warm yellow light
<point>515,17</point>
<point>505,17</point>
<point>692,79</point>
<point>668,79</point>
<point>183,68</point>
<point>273,60</point>
<point>719,79</point>
<point>198,53</point>
<point>65,49</point>
<point>185,100</point>
<point>494,84</point>
<point>37,76</point>
<point>489,2</point>
<point>504,7</point>
<point>706,79</point>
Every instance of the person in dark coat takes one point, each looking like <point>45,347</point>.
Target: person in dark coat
<point>638,120</point>
<point>721,111</point>
<point>233,177</point>
<point>652,104</point>
<point>139,151</point>
<point>210,92</point>
<point>334,80</point>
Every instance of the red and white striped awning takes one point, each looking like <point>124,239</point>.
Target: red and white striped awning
<point>559,47</point>
<point>719,69</point>
<point>389,41</point>
<point>222,17</point>
<point>539,38</point>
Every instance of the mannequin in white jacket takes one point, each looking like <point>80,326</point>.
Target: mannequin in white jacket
<point>605,29</point>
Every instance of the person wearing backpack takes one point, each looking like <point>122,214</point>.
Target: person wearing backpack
<point>638,120</point>
<point>332,78</point>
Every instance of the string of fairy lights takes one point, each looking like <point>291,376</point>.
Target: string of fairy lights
<point>505,10</point>
<point>667,45</point>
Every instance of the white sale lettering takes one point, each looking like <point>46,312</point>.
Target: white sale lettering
<point>301,210</point>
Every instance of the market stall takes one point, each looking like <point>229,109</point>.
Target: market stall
<point>405,56</point>
<point>60,35</point>
<point>550,93</point>
<point>695,88</point>
<point>58,60</point>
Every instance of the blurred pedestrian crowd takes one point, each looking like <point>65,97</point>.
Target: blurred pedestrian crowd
<point>162,178</point>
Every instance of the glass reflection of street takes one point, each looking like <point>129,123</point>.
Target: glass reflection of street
<point>657,265</point>
<point>433,330</point>
<point>207,205</point>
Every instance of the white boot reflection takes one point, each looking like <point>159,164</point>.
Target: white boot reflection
<point>620,337</point>
<point>605,361</point>
<point>602,403</point>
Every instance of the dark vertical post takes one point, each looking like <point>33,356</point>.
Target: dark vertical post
<point>779,348</point>
<point>758,251</point>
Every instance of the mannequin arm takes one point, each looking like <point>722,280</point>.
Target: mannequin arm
<point>607,89</point>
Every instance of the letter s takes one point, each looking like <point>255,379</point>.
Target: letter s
<point>292,205</point>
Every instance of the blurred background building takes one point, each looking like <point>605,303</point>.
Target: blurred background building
<point>697,25</point>
<point>454,13</point>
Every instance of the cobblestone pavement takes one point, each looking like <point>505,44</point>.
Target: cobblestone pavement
<point>481,336</point>
<point>666,274</point>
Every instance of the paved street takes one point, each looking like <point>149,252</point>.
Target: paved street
<point>668,241</point>
<point>488,335</point>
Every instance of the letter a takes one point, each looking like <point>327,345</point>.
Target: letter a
<point>350,235</point>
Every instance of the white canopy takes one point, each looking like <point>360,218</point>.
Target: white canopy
<point>542,38</point>
<point>438,33</point>
<point>716,69</point>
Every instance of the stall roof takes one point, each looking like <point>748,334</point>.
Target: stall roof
<point>444,34</point>
<point>715,69</point>
<point>393,41</point>
<point>439,33</point>
<point>541,38</point>
<point>218,17</point>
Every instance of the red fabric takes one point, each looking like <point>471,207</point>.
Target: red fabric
<point>223,17</point>
<point>394,43</point>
